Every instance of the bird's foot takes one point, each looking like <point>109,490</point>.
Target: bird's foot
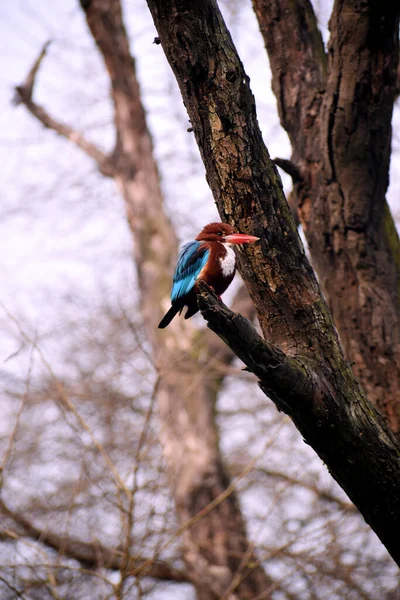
<point>211,288</point>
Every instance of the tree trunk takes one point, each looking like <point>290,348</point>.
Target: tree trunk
<point>304,370</point>
<point>337,110</point>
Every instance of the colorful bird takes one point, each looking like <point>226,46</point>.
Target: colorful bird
<point>210,258</point>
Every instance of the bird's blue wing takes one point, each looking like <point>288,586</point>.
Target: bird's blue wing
<point>192,258</point>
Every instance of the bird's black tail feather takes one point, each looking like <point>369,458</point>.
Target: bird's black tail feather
<point>166,320</point>
<point>192,309</point>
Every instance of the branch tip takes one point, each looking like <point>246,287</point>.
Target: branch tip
<point>24,91</point>
<point>290,168</point>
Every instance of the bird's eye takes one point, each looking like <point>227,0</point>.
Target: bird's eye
<point>219,233</point>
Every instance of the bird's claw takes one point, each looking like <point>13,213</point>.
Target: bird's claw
<point>219,297</point>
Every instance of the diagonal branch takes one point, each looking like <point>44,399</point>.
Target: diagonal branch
<point>219,356</point>
<point>26,89</point>
<point>288,381</point>
<point>290,168</point>
<point>24,95</point>
<point>297,179</point>
<point>90,555</point>
<point>322,494</point>
<point>343,428</point>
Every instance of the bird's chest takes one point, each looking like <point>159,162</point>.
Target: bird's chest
<point>220,269</point>
<point>227,262</point>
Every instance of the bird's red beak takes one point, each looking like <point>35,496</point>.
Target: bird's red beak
<point>240,238</point>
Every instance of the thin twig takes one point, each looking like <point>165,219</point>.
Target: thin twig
<point>24,95</point>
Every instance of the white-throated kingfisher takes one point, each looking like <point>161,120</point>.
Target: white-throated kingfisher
<point>209,258</point>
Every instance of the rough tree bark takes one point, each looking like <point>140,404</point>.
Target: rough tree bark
<point>302,367</point>
<point>337,110</point>
<point>219,558</point>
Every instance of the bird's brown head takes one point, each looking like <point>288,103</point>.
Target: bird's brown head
<point>225,233</point>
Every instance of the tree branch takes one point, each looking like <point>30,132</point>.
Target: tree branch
<point>284,379</point>
<point>219,356</point>
<point>321,494</point>
<point>91,555</point>
<point>24,95</point>
<point>290,168</point>
<point>26,89</point>
<point>293,198</point>
<point>344,429</point>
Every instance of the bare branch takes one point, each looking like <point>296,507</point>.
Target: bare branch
<point>90,554</point>
<point>290,168</point>
<point>323,495</point>
<point>220,356</point>
<point>24,95</point>
<point>297,179</point>
<point>279,375</point>
<point>26,89</point>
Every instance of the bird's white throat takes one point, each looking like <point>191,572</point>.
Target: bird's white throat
<point>228,261</point>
